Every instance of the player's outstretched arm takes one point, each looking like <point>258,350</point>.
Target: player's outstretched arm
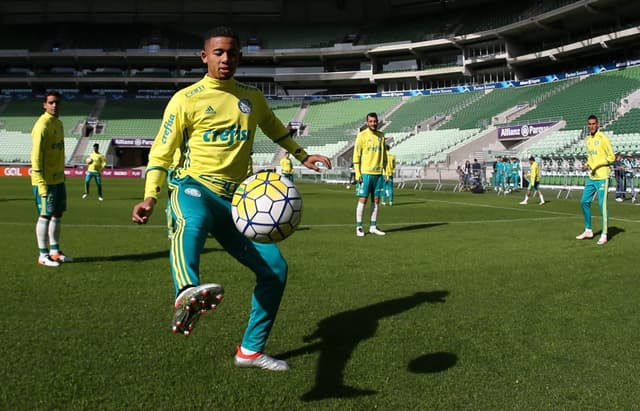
<point>143,210</point>
<point>310,162</point>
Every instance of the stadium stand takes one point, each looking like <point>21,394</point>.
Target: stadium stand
<point>556,144</point>
<point>16,147</point>
<point>444,47</point>
<point>628,123</point>
<point>481,111</point>
<point>328,126</point>
<point>324,120</point>
<point>20,115</point>
<point>421,109</point>
<point>17,119</point>
<point>431,146</point>
<point>131,118</point>
<point>263,148</point>
<point>595,94</point>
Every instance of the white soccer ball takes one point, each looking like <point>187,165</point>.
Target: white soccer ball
<point>266,207</point>
<point>89,160</point>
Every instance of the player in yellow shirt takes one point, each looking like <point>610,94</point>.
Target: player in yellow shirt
<point>600,156</point>
<point>215,120</point>
<point>369,162</point>
<point>95,164</point>
<point>47,180</point>
<point>534,182</point>
<point>387,193</point>
<point>286,165</point>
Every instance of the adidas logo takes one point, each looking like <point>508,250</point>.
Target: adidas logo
<point>210,110</point>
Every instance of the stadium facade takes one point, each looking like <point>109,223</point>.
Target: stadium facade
<point>331,50</point>
<point>310,47</point>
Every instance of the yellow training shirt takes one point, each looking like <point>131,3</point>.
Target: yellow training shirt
<point>391,165</point>
<point>369,154</point>
<point>599,155</point>
<point>214,121</point>
<point>286,165</point>
<point>98,164</point>
<point>534,173</point>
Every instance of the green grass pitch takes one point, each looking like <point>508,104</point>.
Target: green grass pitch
<point>470,302</point>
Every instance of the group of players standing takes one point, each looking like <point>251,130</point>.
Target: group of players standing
<point>507,174</point>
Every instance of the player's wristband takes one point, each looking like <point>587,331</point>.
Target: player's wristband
<point>301,155</point>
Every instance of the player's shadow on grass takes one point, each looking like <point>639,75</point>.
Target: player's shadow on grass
<point>2,200</point>
<point>432,363</point>
<point>338,336</point>
<point>134,257</point>
<point>406,203</point>
<point>413,227</point>
<point>614,231</point>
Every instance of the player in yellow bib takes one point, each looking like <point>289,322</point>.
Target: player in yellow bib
<point>95,164</point>
<point>213,122</point>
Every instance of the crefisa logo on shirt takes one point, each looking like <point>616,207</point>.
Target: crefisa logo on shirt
<point>167,126</point>
<point>244,105</point>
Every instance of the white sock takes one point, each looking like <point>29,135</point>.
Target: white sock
<point>42,226</point>
<point>54,233</point>
<point>374,213</point>
<point>359,212</point>
<point>526,198</point>
<point>541,198</point>
<point>247,352</point>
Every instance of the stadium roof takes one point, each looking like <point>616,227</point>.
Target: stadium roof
<point>220,11</point>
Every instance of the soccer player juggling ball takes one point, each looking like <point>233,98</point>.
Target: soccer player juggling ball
<point>214,122</point>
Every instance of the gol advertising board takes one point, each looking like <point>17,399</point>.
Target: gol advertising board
<point>17,171</point>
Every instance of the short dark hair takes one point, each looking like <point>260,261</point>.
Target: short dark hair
<point>593,117</point>
<point>532,158</point>
<point>372,114</point>
<point>53,93</point>
<point>96,145</point>
<point>221,31</point>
